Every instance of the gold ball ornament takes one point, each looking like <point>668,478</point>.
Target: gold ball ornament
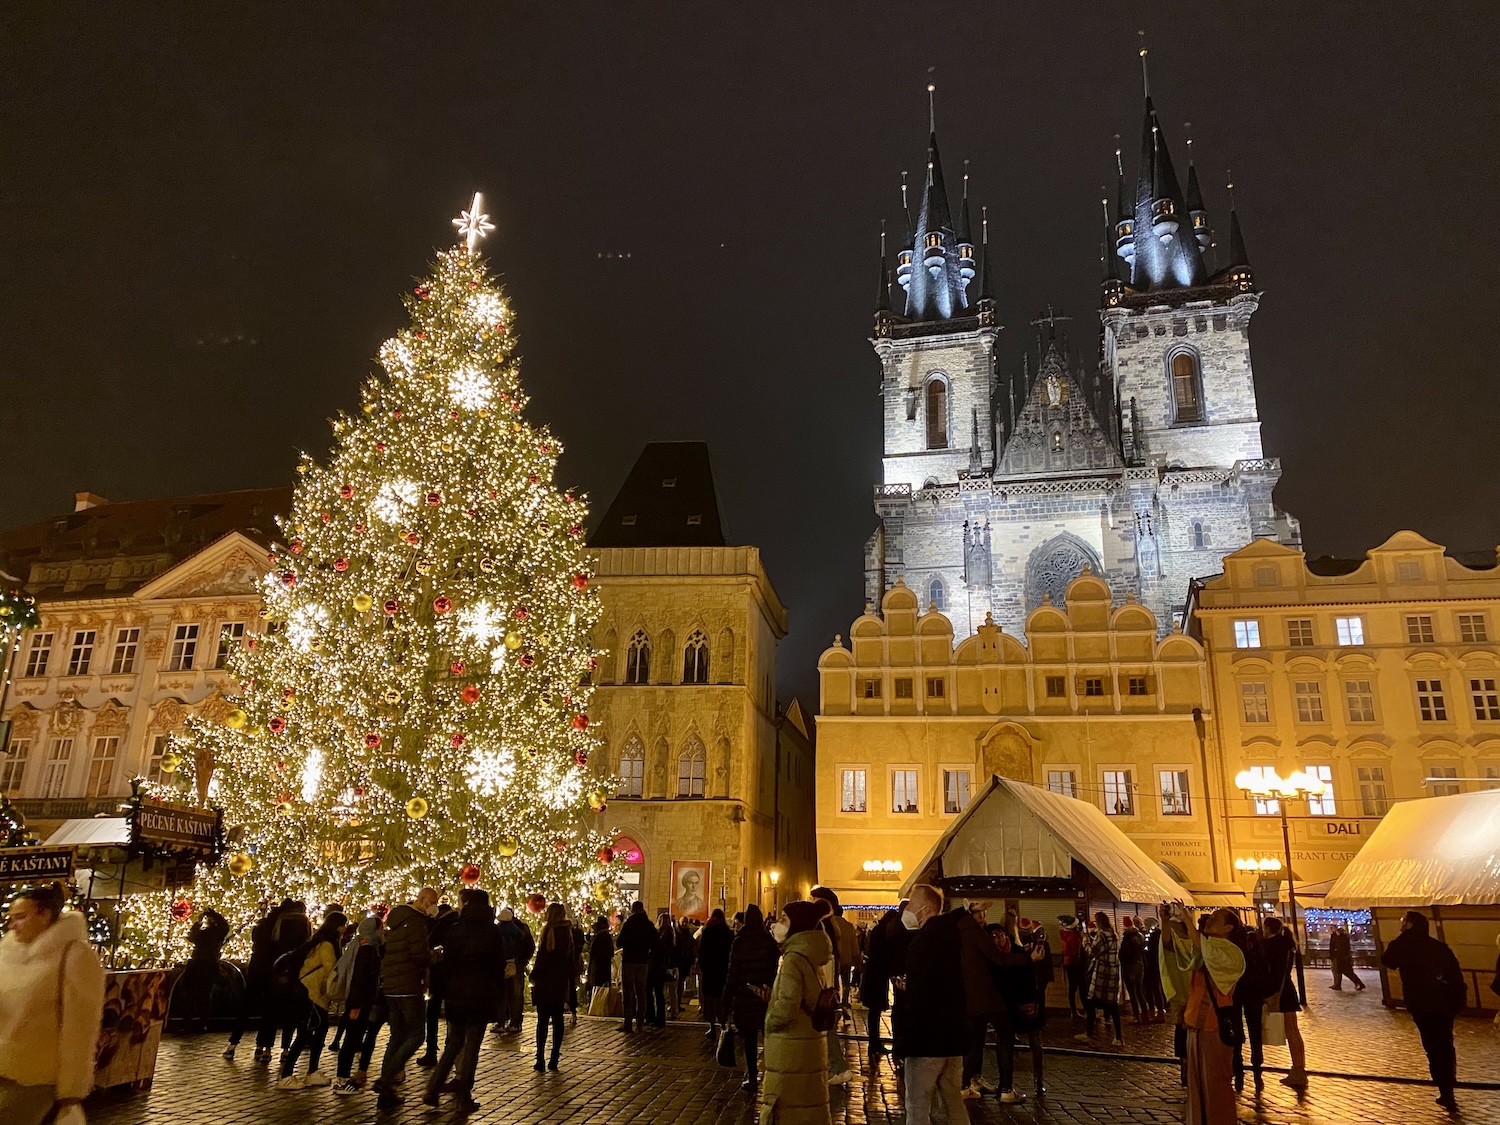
<point>487,565</point>
<point>424,566</point>
<point>240,864</point>
<point>596,800</point>
<point>236,719</point>
<point>601,892</point>
<point>393,697</point>
<point>171,762</point>
<point>447,447</point>
<point>362,602</point>
<point>513,640</point>
<point>416,808</point>
<point>508,846</point>
<point>283,808</point>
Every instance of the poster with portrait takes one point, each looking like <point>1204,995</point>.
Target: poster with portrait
<point>691,884</point>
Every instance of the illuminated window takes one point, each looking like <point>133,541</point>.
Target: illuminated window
<point>1247,634</point>
<point>1119,794</point>
<point>852,791</point>
<point>1419,628</point>
<point>1471,628</point>
<point>82,654</point>
<point>695,659</point>
<point>690,771</point>
<point>1063,781</point>
<point>59,754</point>
<point>1430,701</point>
<point>1324,805</point>
<point>1445,782</point>
<point>1265,806</point>
<point>1486,699</point>
<point>1186,403</point>
<point>638,659</point>
<point>1255,703</point>
<point>935,595</point>
<point>937,414</point>
<point>231,633</point>
<point>184,648</point>
<point>1057,441</point>
<point>13,767</point>
<point>1057,687</point>
<point>1359,700</point>
<point>126,643</point>
<point>1309,698</point>
<point>955,791</point>
<point>1299,632</point>
<point>903,791</point>
<point>102,767</point>
<point>632,768</point>
<point>1174,793</point>
<point>38,654</point>
<point>1350,630</point>
<point>1372,797</point>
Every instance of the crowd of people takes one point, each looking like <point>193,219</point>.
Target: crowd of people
<point>771,990</point>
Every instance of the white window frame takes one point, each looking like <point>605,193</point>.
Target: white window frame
<point>1064,782</point>
<point>1419,630</point>
<point>1432,700</point>
<point>1473,628</point>
<point>103,759</point>
<point>81,652</point>
<point>127,646</point>
<point>911,788</point>
<point>1175,786</point>
<point>1373,794</point>
<point>13,767</point>
<point>55,774</point>
<point>691,773</point>
<point>1247,633</point>
<point>38,655</point>
<point>1263,696</point>
<point>1327,804</point>
<point>1300,632</point>
<point>1308,696</point>
<point>957,782</point>
<point>1365,695</point>
<point>854,790</point>
<point>1450,786</point>
<point>1350,631</point>
<point>1113,784</point>
<point>1484,698</point>
<point>184,648</point>
<point>230,632</point>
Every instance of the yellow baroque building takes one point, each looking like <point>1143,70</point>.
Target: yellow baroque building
<point>1092,702</point>
<point>1377,675</point>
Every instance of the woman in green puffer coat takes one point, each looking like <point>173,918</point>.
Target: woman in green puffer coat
<point>796,1084</point>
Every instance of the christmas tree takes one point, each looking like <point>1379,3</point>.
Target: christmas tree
<point>417,710</point>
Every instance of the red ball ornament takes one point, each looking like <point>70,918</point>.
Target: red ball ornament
<point>441,604</point>
<point>469,874</point>
<point>567,497</point>
<point>457,740</point>
<point>536,904</point>
<point>326,517</point>
<point>182,910</point>
<point>271,558</point>
<point>545,448</point>
<point>380,447</point>
<point>296,546</point>
<point>341,564</point>
<point>397,415</point>
<point>515,408</point>
<point>470,694</point>
<point>593,664</point>
<point>392,607</point>
<point>434,499</point>
<point>372,740</point>
<point>347,492</point>
<point>422,292</point>
<point>606,854</point>
<point>288,693</point>
<point>453,415</point>
<point>580,722</point>
<point>580,581</point>
<point>457,667</point>
<point>359,529</point>
<point>531,478</point>
<point>411,538</point>
<point>582,757</point>
<point>289,579</point>
<point>359,790</point>
<point>277,724</point>
<point>526,660</point>
<point>421,335</point>
<point>472,513</point>
<point>521,613</point>
<point>576,530</point>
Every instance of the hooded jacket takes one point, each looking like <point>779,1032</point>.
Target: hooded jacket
<point>49,1028</point>
<point>403,971</point>
<point>474,952</point>
<point>796,1085</point>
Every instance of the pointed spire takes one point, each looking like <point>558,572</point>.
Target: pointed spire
<point>1107,247</point>
<point>1194,193</point>
<point>961,232</point>
<point>985,293</point>
<point>883,293</point>
<point>1237,254</point>
<point>935,204</point>
<point>905,207</point>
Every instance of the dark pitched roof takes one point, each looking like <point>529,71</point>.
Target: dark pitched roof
<point>166,530</point>
<point>668,500</point>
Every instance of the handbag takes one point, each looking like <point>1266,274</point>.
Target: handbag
<point>1229,1016</point>
<point>599,1001</point>
<point>725,1053</point>
<point>825,1012</point>
<point>510,970</point>
<point>1273,1029</point>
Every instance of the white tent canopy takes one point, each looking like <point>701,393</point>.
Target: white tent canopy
<point>1435,851</point>
<point>99,832</point>
<point>1012,830</point>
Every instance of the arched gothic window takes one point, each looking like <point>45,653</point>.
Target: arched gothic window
<point>632,768</point>
<point>1187,398</point>
<point>1057,441</point>
<point>690,768</point>
<point>638,659</point>
<point>695,659</point>
<point>1200,534</point>
<point>935,595</point>
<point>937,414</point>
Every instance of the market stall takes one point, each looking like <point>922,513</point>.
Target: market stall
<point>1440,855</point>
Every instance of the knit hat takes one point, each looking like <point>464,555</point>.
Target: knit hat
<point>1129,922</point>
<point>507,914</point>
<point>369,930</point>
<point>804,915</point>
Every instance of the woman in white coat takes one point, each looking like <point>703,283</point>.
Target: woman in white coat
<point>51,1003</point>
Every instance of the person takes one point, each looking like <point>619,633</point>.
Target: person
<point>474,953</point>
<point>519,948</point>
<point>363,1009</point>
<point>875,979</point>
<point>983,1006</point>
<point>1156,1000</point>
<point>403,979</point>
<point>556,966</point>
<point>1432,984</point>
<point>1281,961</point>
<point>316,979</point>
<point>1024,1011</point>
<point>1250,993</point>
<point>291,932</point>
<point>685,957</point>
<point>847,952</point>
<point>637,941</point>
<point>580,943</point>
<point>201,973</point>
<point>1041,964</point>
<point>1103,952</point>
<point>796,1086</point>
<point>1133,967</point>
<point>255,1001</point>
<point>1341,958</point>
<point>1208,965</point>
<point>932,1036</point>
<point>601,957</point>
<point>51,1006</point>
<point>840,1073</point>
<point>437,980</point>
<point>1075,963</point>
<point>714,941</point>
<point>753,957</point>
<point>660,971</point>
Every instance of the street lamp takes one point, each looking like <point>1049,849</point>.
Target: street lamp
<point>775,877</point>
<point>1268,785</point>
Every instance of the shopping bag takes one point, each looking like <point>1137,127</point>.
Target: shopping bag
<point>1273,1029</point>
<point>725,1053</point>
<point>599,1001</point>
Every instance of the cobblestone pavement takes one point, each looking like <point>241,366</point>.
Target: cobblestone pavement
<point>670,1076</point>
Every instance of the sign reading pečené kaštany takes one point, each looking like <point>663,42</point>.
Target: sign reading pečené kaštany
<point>174,826</point>
<point>26,865</point>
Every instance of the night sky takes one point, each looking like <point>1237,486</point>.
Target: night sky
<point>207,216</point>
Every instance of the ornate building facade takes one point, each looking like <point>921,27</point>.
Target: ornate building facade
<point>1381,676</point>
<point>999,488</point>
<point>711,770</point>
<point>140,604</point>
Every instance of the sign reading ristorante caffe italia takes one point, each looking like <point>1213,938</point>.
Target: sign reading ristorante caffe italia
<point>174,826</point>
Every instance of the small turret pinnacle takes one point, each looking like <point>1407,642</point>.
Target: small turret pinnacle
<point>883,293</point>
<point>984,269</point>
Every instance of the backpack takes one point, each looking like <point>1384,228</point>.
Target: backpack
<point>286,973</point>
<point>343,973</point>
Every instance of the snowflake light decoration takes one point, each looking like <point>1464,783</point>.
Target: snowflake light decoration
<point>559,785</point>
<point>394,498</point>
<point>490,771</point>
<point>482,623</point>
<point>488,308</point>
<point>470,388</point>
<point>304,624</point>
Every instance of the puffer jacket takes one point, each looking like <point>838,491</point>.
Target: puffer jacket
<point>403,970</point>
<point>317,972</point>
<point>475,955</point>
<point>796,1083</point>
<point>752,961</point>
<point>36,1048</point>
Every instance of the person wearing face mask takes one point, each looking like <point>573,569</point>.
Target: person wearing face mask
<point>1210,965</point>
<point>796,1089</point>
<point>51,1004</point>
<point>932,1038</point>
<point>403,978</point>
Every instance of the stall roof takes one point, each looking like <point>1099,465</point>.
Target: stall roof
<point>1013,830</point>
<point>1220,894</point>
<point>98,832</point>
<point>1433,851</point>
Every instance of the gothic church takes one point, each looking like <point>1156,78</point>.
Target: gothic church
<point>1000,489</point>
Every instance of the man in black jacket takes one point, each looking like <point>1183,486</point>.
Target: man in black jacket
<point>403,978</point>
<point>255,1000</point>
<point>1432,984</point>
<point>933,1034</point>
<point>983,1004</point>
<point>637,941</point>
<point>474,956</point>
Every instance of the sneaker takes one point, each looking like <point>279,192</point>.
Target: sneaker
<point>262,1054</point>
<point>841,1079</point>
<point>317,1078</point>
<point>229,1052</point>
<point>1041,1091</point>
<point>1117,1042</point>
<point>346,1086</point>
<point>1296,1079</point>
<point>1081,1037</point>
<point>429,1059</point>
<point>984,1087</point>
<point>291,1082</point>
<point>970,1092</point>
<point>1011,1097</point>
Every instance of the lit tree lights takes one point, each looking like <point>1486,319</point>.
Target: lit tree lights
<point>418,708</point>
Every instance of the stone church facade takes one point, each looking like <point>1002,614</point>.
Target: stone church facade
<point>999,489</point>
